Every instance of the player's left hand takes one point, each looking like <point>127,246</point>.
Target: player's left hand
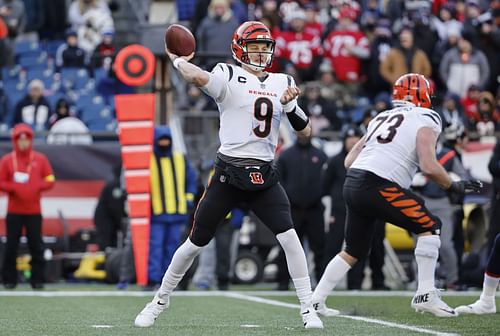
<point>290,94</point>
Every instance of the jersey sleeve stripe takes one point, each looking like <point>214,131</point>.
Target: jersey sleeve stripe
<point>289,80</point>
<point>437,121</point>
<point>230,68</point>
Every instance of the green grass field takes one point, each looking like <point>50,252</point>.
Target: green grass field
<point>229,313</point>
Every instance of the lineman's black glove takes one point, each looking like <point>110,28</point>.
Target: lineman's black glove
<point>457,190</point>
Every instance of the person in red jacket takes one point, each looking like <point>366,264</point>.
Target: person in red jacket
<point>24,174</point>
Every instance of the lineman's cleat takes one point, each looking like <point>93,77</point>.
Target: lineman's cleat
<point>311,319</point>
<point>150,313</point>
<point>480,307</point>
<point>431,302</point>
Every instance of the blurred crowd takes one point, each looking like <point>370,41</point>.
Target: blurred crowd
<point>346,54</point>
<point>55,63</point>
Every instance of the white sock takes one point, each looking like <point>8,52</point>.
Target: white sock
<point>334,272</point>
<point>181,261</point>
<point>490,285</point>
<point>426,254</point>
<point>297,265</point>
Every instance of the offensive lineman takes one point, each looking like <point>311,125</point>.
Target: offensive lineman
<point>380,170</point>
<point>252,103</point>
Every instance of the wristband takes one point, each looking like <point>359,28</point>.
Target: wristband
<point>177,61</point>
<point>290,106</point>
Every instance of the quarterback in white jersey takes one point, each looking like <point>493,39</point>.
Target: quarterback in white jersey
<point>380,169</point>
<point>252,103</point>
<point>250,110</point>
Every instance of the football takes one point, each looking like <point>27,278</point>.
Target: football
<point>179,40</point>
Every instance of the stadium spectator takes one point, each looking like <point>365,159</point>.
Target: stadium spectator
<point>4,110</point>
<point>69,55</point>
<point>300,168</point>
<point>90,13</point>
<point>173,184</point>
<point>451,112</point>
<point>404,58</point>
<point>469,103</point>
<point>345,48</point>
<point>488,116</point>
<point>110,212</point>
<point>24,175</point>
<point>323,112</point>
<point>14,14</point>
<point>471,22</point>
<point>62,110</point>
<point>298,52</point>
<point>312,25</point>
<point>215,32</point>
<point>446,21</point>
<point>380,46</point>
<point>34,108</point>
<point>489,43</point>
<point>5,48</point>
<point>55,20</point>
<point>452,37</point>
<point>463,66</point>
<point>105,51</point>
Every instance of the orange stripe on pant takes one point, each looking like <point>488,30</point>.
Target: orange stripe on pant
<point>390,196</point>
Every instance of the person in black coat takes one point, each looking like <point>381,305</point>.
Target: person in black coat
<point>300,168</point>
<point>110,210</point>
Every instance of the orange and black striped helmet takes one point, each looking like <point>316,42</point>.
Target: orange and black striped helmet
<point>414,88</point>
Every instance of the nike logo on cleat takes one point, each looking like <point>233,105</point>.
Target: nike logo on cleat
<point>306,312</point>
<point>421,298</point>
<point>161,304</point>
<point>448,311</point>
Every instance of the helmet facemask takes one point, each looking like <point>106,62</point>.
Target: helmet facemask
<point>257,60</point>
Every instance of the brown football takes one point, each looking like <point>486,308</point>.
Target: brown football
<point>179,40</point>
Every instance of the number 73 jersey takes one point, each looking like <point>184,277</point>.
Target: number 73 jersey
<point>250,110</point>
<point>390,149</point>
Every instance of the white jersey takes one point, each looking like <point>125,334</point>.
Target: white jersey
<point>250,110</point>
<point>390,149</point>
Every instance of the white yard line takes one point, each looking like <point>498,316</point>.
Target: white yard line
<point>358,318</point>
<point>98,293</point>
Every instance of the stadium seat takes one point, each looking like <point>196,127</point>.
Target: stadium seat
<point>30,61</point>
<point>27,48</point>
<point>74,78</point>
<point>51,47</point>
<point>11,72</point>
<point>54,98</point>
<point>43,74</point>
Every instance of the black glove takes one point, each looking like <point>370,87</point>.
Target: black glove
<point>457,190</point>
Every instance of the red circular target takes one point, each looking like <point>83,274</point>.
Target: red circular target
<point>134,65</point>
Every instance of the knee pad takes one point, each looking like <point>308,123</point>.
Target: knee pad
<point>428,246</point>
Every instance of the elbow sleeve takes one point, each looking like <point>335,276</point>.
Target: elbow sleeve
<point>297,118</point>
